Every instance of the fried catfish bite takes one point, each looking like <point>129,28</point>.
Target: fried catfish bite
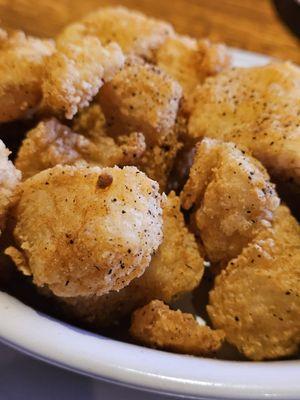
<point>132,30</point>
<point>156,160</point>
<point>75,72</point>
<point>175,269</point>
<point>51,143</point>
<point>258,108</point>
<point>86,231</point>
<point>232,198</point>
<point>190,61</point>
<point>21,65</point>
<point>141,97</point>
<point>156,325</point>
<point>256,299</point>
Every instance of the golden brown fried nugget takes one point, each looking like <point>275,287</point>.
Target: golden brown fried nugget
<point>175,269</point>
<point>232,197</point>
<point>142,98</point>
<point>10,178</point>
<point>190,61</point>
<point>86,231</point>
<point>74,74</point>
<point>258,108</point>
<point>21,65</point>
<point>51,143</point>
<point>132,30</point>
<point>156,160</point>
<point>256,299</point>
<point>156,325</point>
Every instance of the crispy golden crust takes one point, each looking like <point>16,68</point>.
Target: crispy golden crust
<point>21,64</point>
<point>212,57</point>
<point>10,178</point>
<point>74,74</point>
<point>52,143</point>
<point>156,325</point>
<point>142,98</point>
<point>190,61</point>
<point>175,269</point>
<point>257,108</point>
<point>232,195</point>
<point>132,30</point>
<point>86,231</point>
<point>91,122</point>
<point>158,160</point>
<point>256,300</point>
<point>48,144</point>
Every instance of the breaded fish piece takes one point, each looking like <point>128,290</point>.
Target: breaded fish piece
<point>191,61</point>
<point>132,30</point>
<point>232,198</point>
<point>21,65</point>
<point>256,299</point>
<point>74,74</point>
<point>258,108</point>
<point>83,231</point>
<point>10,178</point>
<point>51,143</point>
<point>142,98</point>
<point>175,269</point>
<point>156,160</point>
<point>156,325</point>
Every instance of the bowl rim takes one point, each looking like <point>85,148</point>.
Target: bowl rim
<point>71,348</point>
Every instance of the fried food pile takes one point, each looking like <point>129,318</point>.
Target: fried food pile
<point>121,110</point>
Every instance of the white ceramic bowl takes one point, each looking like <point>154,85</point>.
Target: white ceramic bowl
<point>69,347</point>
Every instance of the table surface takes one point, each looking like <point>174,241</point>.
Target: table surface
<point>248,24</point>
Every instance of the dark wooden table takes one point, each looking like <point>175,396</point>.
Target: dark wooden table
<point>248,24</point>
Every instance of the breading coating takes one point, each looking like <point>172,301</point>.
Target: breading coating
<point>156,325</point>
<point>132,30</point>
<point>190,61</point>
<point>175,269</point>
<point>256,299</point>
<point>232,198</point>
<point>74,74</point>
<point>21,64</point>
<point>86,231</point>
<point>90,122</point>
<point>51,143</point>
<point>258,108</point>
<point>158,160</point>
<point>142,98</point>
<point>10,178</point>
